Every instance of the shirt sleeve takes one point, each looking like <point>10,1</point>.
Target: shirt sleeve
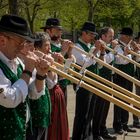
<point>51,83</point>
<point>12,95</point>
<point>119,59</point>
<point>33,93</point>
<point>109,57</point>
<point>81,58</point>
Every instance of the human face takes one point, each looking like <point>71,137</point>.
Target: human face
<point>55,34</point>
<point>109,36</point>
<point>88,37</point>
<point>45,47</point>
<point>13,45</point>
<point>125,38</point>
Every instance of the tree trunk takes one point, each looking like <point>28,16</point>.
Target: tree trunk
<point>90,13</point>
<point>13,7</point>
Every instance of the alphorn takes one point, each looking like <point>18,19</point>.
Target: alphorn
<point>123,74</point>
<point>93,90</point>
<point>101,86</point>
<point>109,83</point>
<point>134,53</point>
<point>124,57</point>
<point>98,92</point>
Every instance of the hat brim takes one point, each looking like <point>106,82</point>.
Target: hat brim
<point>7,30</point>
<point>48,27</point>
<point>122,33</point>
<point>95,33</point>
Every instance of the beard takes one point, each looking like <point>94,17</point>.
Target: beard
<point>55,38</point>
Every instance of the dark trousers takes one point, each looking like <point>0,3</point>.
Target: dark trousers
<point>104,113</point>
<point>121,116</point>
<point>97,109</point>
<point>38,133</point>
<point>135,118</point>
<point>105,105</point>
<point>82,111</point>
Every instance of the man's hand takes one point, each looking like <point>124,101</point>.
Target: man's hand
<point>126,50</point>
<point>114,43</point>
<point>66,46</point>
<point>135,47</point>
<point>42,66</point>
<point>29,60</point>
<point>58,57</point>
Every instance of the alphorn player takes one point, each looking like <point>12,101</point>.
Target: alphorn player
<point>136,122</point>
<point>106,35</point>
<point>85,101</point>
<point>54,29</point>
<point>15,77</point>
<point>57,130</point>
<point>40,109</point>
<point>121,116</point>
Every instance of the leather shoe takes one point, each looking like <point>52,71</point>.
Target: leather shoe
<point>131,130</point>
<point>119,131</point>
<point>98,137</point>
<point>136,125</point>
<point>109,136</point>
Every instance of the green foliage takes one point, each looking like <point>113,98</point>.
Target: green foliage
<point>72,13</point>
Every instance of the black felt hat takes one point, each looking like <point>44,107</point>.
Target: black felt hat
<point>89,26</point>
<point>127,31</point>
<point>16,25</point>
<point>52,23</point>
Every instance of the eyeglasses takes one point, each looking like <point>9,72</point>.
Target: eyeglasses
<point>19,43</point>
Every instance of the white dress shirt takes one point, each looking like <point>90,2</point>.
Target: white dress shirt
<point>119,50</point>
<point>108,57</point>
<point>14,94</point>
<point>82,58</point>
<point>52,82</point>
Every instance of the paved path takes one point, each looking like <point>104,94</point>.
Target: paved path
<point>71,109</point>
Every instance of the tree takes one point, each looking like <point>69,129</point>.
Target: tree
<point>92,6</point>
<point>13,7</point>
<point>31,9</point>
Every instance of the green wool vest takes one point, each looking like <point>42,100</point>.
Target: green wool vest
<point>12,120</point>
<point>41,110</point>
<point>54,48</point>
<point>92,68</point>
